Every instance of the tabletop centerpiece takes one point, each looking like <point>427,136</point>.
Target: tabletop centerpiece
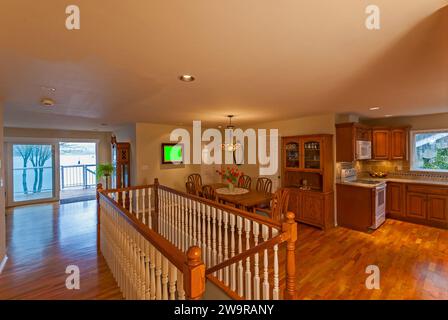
<point>231,176</point>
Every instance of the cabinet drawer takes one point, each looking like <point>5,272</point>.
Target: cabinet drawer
<point>427,189</point>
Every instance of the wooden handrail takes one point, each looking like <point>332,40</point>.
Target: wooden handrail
<point>165,247</point>
<point>257,218</point>
<point>241,256</point>
<point>130,188</point>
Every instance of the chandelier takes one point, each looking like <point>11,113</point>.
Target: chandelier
<point>234,145</point>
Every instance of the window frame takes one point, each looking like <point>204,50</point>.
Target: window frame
<point>412,134</point>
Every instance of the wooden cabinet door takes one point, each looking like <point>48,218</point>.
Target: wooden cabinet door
<point>437,208</point>
<point>380,144</point>
<point>292,153</point>
<point>294,202</point>
<point>398,144</point>
<point>416,205</point>
<point>312,208</point>
<point>363,134</point>
<point>395,201</point>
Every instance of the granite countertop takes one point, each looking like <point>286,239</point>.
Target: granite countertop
<point>414,181</point>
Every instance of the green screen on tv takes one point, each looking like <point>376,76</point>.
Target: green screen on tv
<point>172,154</point>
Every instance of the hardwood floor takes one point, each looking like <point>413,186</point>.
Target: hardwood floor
<point>44,239</point>
<point>413,262</point>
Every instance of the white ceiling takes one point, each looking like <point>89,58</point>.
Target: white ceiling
<point>259,59</point>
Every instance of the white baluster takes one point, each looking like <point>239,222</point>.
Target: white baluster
<point>190,224</point>
<point>220,242</point>
<point>256,232</point>
<point>275,290</point>
<point>130,200</point>
<point>226,247</point>
<point>209,238</point>
<point>147,272</point>
<point>232,253</point>
<point>172,281</point>
<point>180,286</point>
<point>248,272</point>
<point>204,232</point>
<point>123,199</point>
<point>149,208</point>
<point>165,270</point>
<point>214,251</point>
<point>158,275</point>
<point>265,231</point>
<point>137,199</point>
<point>144,206</point>
<point>152,272</point>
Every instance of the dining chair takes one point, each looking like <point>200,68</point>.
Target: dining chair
<point>197,181</point>
<point>208,192</point>
<point>244,182</point>
<point>191,188</point>
<point>264,185</point>
<point>279,205</point>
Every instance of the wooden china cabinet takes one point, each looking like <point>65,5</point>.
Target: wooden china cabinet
<point>121,160</point>
<point>308,171</point>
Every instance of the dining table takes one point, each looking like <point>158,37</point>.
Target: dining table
<point>245,201</point>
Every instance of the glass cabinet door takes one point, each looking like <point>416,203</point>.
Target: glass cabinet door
<point>312,155</point>
<point>292,155</point>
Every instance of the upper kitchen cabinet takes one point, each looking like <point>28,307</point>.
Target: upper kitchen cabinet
<point>399,143</point>
<point>390,143</point>
<point>380,144</point>
<point>347,136</point>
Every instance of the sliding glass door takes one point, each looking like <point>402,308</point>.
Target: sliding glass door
<point>31,173</point>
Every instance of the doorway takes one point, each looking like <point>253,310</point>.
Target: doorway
<point>78,161</point>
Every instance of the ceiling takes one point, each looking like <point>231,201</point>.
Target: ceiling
<point>261,60</point>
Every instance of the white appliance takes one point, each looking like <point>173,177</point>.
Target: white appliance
<point>363,150</point>
<point>349,176</point>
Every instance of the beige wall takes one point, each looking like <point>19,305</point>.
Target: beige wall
<point>2,192</point>
<point>103,138</point>
<point>149,138</point>
<point>431,121</point>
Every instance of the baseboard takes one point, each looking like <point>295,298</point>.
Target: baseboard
<point>3,263</point>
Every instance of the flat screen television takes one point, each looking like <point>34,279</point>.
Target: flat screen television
<point>172,153</point>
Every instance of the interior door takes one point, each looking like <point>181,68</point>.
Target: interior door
<point>32,175</point>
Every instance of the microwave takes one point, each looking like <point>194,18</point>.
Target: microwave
<point>363,150</point>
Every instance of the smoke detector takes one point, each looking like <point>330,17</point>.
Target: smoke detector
<point>47,102</point>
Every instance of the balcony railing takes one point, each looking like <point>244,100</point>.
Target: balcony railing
<point>161,243</point>
<point>77,176</point>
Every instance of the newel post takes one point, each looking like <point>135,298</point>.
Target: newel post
<point>156,205</point>
<point>99,188</point>
<point>290,226</point>
<point>194,274</point>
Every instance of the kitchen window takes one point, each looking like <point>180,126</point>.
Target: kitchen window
<point>429,150</point>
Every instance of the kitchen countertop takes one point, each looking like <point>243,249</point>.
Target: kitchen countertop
<point>359,184</point>
<point>414,181</point>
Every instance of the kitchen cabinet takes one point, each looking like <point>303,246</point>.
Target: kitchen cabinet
<point>437,208</point>
<point>395,199</point>
<point>346,136</point>
<point>416,205</point>
<point>313,208</point>
<point>380,144</point>
<point>419,203</point>
<point>398,144</point>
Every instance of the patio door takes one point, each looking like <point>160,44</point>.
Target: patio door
<point>32,177</point>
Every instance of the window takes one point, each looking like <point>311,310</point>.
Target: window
<point>429,150</point>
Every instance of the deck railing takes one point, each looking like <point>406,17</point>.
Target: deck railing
<point>78,176</point>
<point>248,256</point>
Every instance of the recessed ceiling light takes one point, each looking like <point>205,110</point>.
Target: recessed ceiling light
<point>374,108</point>
<point>47,102</point>
<point>388,115</point>
<point>187,78</point>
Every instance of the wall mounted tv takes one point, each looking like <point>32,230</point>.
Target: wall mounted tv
<point>172,153</point>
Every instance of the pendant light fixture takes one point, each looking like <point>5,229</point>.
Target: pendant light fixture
<point>233,145</point>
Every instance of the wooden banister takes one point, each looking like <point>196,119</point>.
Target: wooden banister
<point>264,245</point>
<point>166,248</point>
<point>290,227</point>
<point>194,274</point>
<point>99,189</point>
<point>235,211</point>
